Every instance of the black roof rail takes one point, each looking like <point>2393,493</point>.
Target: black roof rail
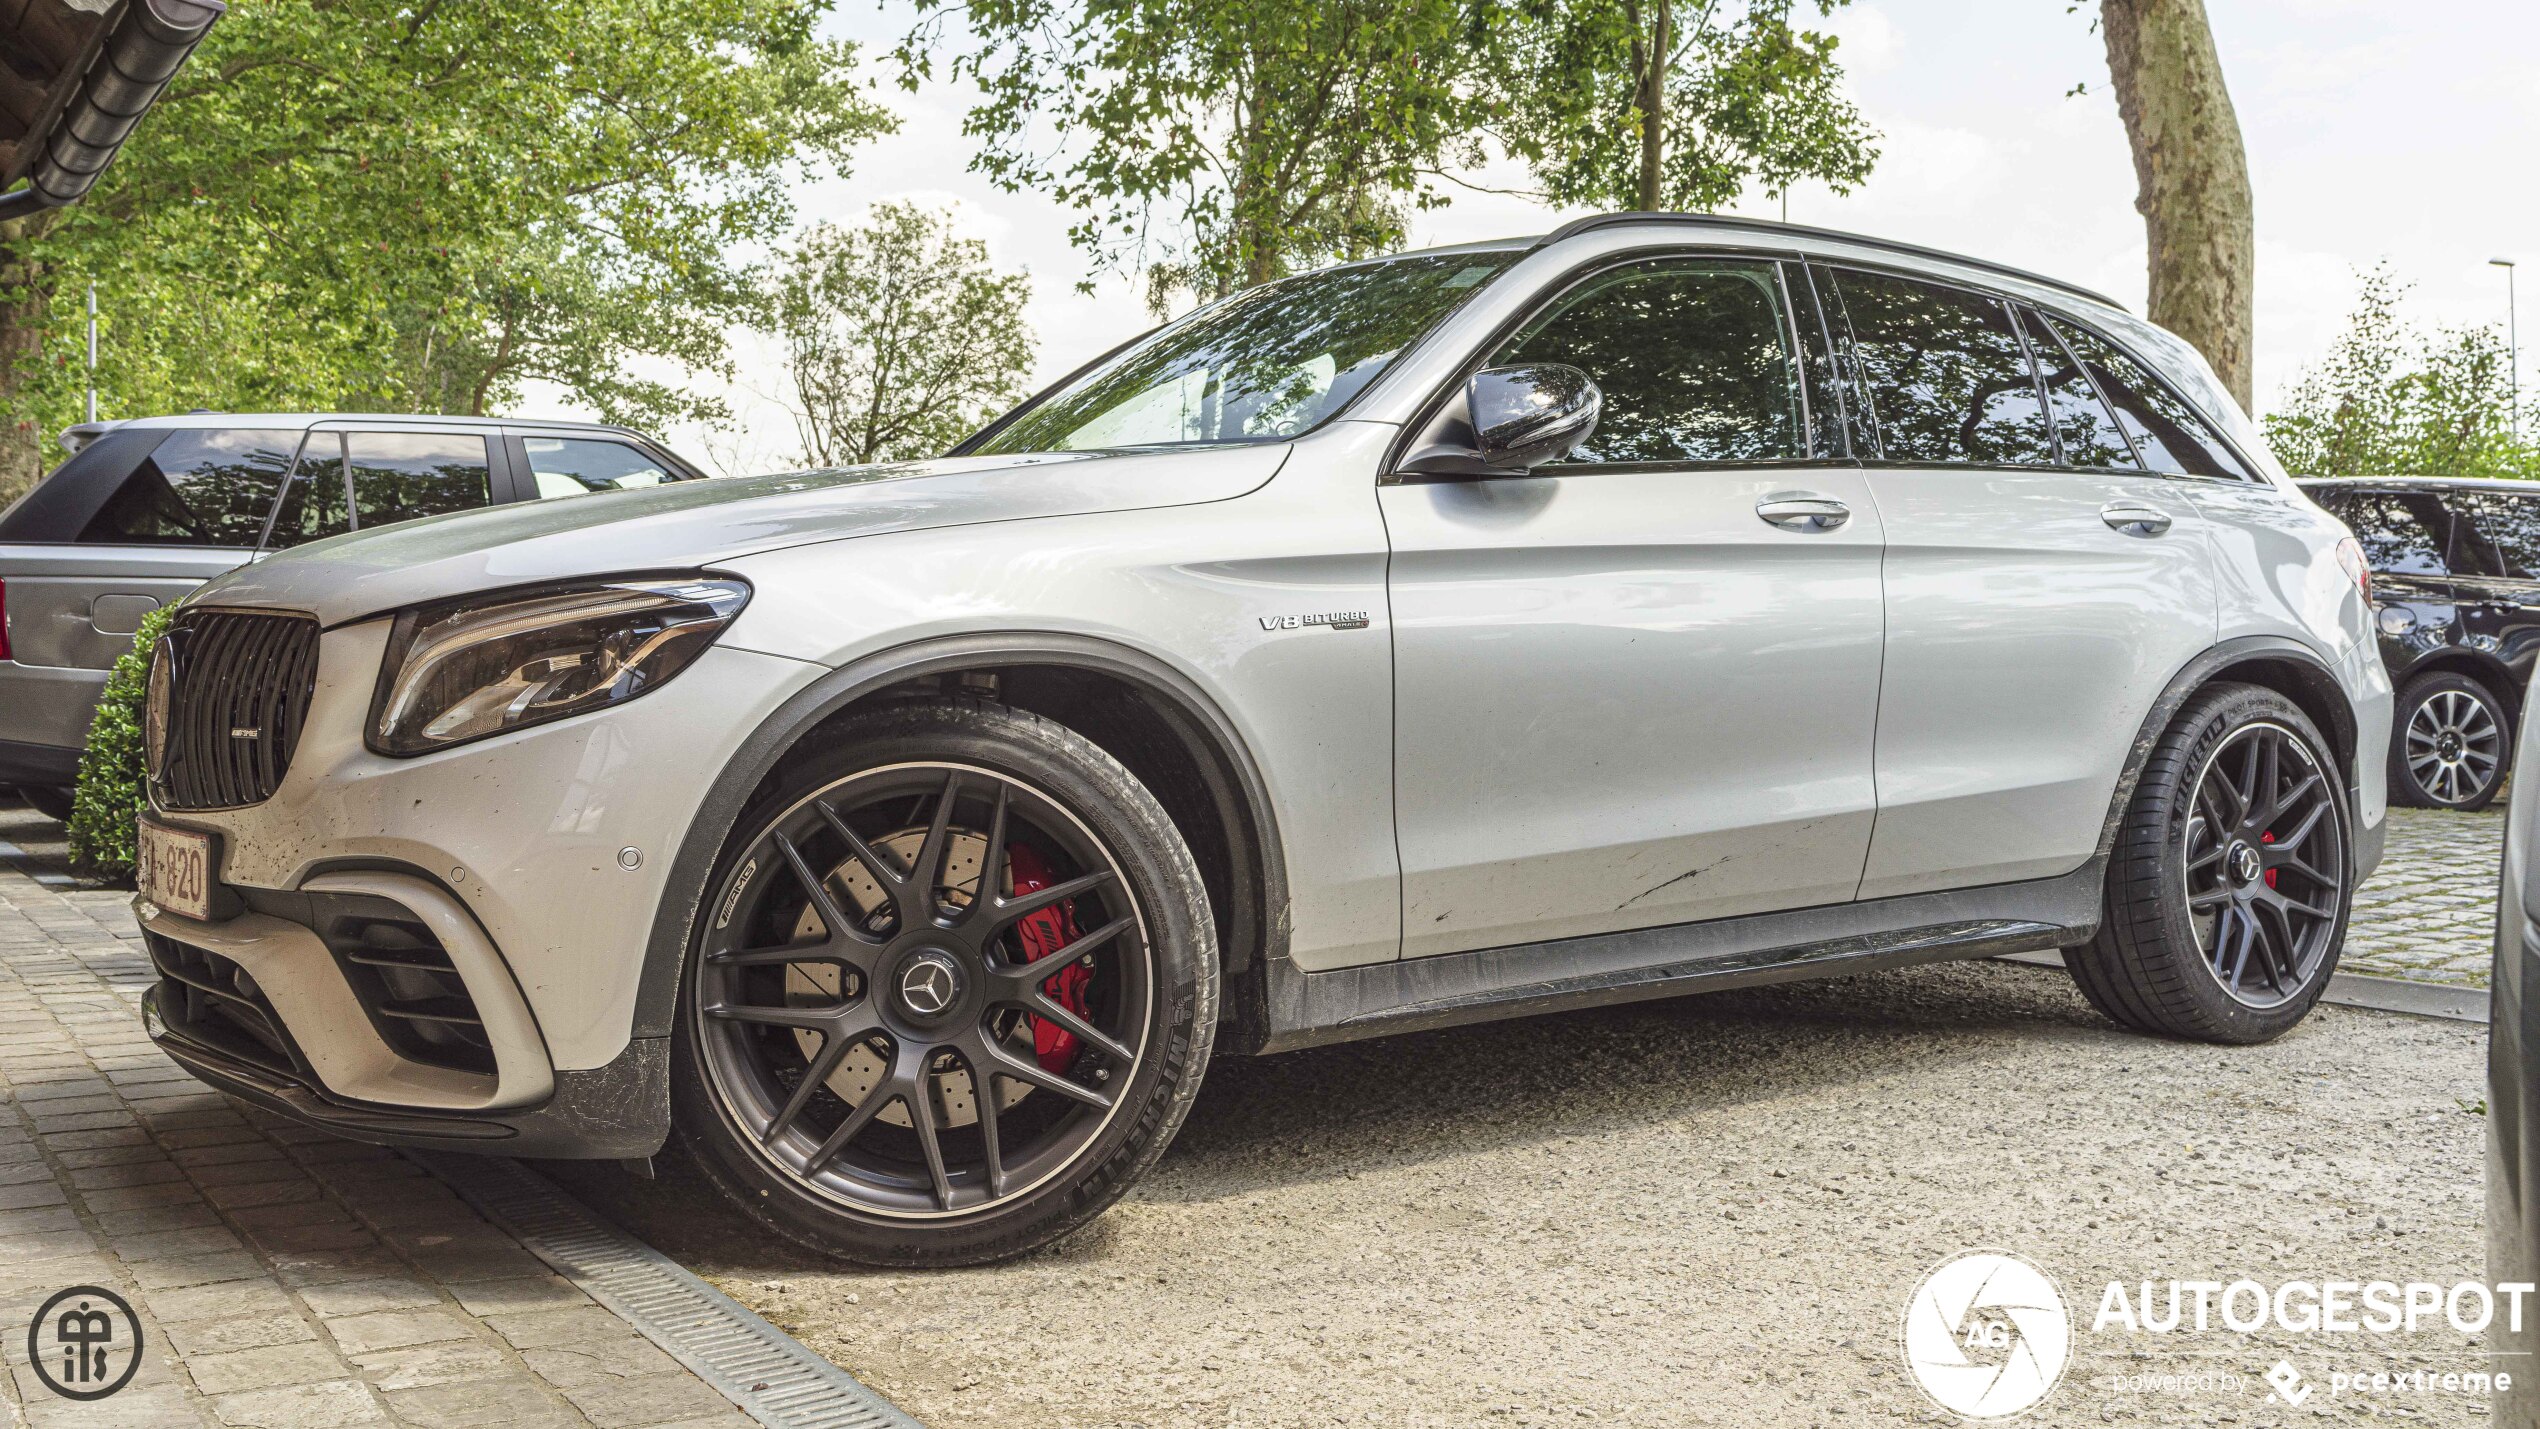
<point>1596,221</point>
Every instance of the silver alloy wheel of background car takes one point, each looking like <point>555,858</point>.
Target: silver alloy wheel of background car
<point>856,931</point>
<point>2266,863</point>
<point>2453,746</point>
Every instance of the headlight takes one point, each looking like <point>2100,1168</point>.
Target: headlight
<point>467,670</point>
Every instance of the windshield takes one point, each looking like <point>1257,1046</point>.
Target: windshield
<point>1261,366</point>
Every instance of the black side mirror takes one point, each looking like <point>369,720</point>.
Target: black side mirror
<point>1512,420</point>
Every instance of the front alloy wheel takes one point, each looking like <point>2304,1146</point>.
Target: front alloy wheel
<point>951,994</point>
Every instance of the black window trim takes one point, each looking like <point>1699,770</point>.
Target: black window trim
<point>500,475</point>
<point>1552,292</point>
<point>1869,417</point>
<point>2009,303</point>
<point>2098,394</point>
<point>282,494</point>
<point>2213,429</point>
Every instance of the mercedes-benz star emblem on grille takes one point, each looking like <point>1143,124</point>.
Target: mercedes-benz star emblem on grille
<point>927,987</point>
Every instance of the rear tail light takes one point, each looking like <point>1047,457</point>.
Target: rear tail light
<point>2350,554</point>
<point>4,620</point>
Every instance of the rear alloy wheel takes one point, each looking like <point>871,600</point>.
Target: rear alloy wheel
<point>955,993</point>
<point>2451,745</point>
<point>2231,881</point>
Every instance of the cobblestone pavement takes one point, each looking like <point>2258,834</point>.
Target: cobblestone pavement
<point>2429,912</point>
<point>283,1277</point>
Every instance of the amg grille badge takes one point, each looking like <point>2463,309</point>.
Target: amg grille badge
<point>1337,619</point>
<point>246,732</point>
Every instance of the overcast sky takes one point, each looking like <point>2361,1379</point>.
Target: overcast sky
<point>2399,129</point>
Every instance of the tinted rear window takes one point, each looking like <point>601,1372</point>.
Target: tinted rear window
<point>2497,534</point>
<point>197,488</point>
<point>398,476</point>
<point>2171,436</point>
<point>1948,379</point>
<point>2405,533</point>
<point>2088,430</point>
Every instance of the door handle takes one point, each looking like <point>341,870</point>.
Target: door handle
<point>1801,511</point>
<point>2135,520</point>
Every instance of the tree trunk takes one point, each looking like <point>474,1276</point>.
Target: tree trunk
<point>1650,69</point>
<point>2191,177</point>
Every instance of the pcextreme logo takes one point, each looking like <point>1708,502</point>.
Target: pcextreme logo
<point>1986,1335</point>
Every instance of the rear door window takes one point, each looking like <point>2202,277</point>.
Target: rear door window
<point>1693,356</point>
<point>578,466</point>
<point>2496,533</point>
<point>2172,438</point>
<point>1949,382</point>
<point>399,476</point>
<point>212,487</point>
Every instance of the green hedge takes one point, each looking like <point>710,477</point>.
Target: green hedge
<point>109,799</point>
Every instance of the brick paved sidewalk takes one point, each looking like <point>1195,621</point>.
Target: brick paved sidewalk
<point>2428,913</point>
<point>284,1277</point>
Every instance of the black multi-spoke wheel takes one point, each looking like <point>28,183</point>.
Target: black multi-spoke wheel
<point>953,990</point>
<point>2266,864</point>
<point>2451,744</point>
<point>2231,879</point>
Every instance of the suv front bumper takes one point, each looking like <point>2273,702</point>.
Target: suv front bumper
<point>617,1111</point>
<point>447,950</point>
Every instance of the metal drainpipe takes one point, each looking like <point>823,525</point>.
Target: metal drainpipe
<point>152,39</point>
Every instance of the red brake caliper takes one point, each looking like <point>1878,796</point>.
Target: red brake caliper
<point>2267,838</point>
<point>1045,933</point>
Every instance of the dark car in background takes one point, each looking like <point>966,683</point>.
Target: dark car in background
<point>2456,579</point>
<point>146,510</point>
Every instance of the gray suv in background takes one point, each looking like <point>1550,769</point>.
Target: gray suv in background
<point>146,510</point>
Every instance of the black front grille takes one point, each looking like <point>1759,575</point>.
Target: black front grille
<point>240,694</point>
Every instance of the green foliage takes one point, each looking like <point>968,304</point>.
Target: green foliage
<point>414,205</point>
<point>900,338</point>
<point>109,798</point>
<point>1742,98</point>
<point>2390,400</point>
<point>1218,143</point>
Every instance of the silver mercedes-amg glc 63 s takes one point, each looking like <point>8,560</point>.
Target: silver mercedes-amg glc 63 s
<point>1663,605</point>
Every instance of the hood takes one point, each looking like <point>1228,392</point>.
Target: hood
<point>693,525</point>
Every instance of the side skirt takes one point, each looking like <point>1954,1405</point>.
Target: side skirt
<point>1414,995</point>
